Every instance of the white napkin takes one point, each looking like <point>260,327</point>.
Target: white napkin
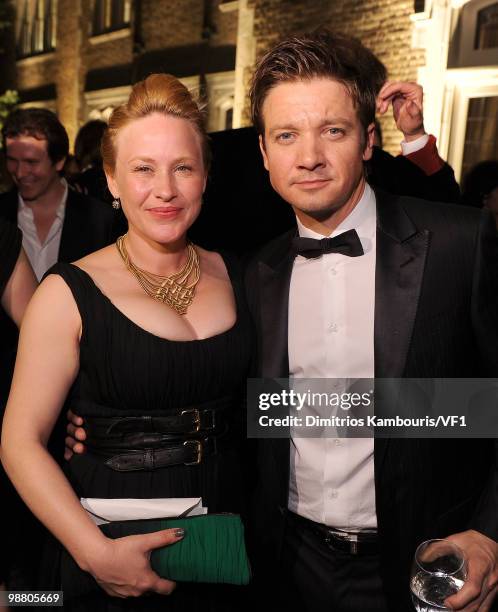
<point>103,511</point>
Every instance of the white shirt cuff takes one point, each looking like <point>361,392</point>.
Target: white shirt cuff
<point>414,145</point>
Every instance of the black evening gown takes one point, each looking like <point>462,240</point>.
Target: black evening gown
<point>125,371</point>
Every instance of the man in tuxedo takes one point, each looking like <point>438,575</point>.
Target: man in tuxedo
<point>58,224</point>
<point>410,289</point>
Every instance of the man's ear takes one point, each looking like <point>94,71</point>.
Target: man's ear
<point>263,151</point>
<point>60,164</point>
<point>369,142</point>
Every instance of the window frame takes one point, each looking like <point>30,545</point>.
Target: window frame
<point>36,36</point>
<point>105,22</point>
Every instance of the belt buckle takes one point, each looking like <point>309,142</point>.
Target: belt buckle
<point>199,451</point>
<point>348,539</point>
<point>353,545</point>
<point>197,418</point>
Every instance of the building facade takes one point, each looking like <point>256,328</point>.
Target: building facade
<point>80,57</point>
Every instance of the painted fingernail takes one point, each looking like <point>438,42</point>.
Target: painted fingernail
<point>179,533</point>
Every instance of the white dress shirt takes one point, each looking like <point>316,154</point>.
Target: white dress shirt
<point>331,335</point>
<point>41,256</point>
<point>414,145</point>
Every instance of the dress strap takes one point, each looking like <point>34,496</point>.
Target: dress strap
<point>84,292</point>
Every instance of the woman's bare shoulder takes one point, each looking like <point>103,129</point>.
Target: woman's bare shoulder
<point>98,259</point>
<point>213,263</point>
<point>52,305</point>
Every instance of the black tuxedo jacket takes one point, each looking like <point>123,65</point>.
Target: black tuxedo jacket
<point>89,224</point>
<point>436,315</point>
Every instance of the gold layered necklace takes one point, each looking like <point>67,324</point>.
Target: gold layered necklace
<point>176,290</point>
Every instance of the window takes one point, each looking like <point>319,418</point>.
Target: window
<point>229,118</point>
<point>419,6</point>
<point>111,15</point>
<point>37,30</point>
<point>481,136</point>
<point>487,28</point>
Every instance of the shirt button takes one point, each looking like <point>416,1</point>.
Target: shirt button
<point>338,442</point>
<point>334,493</point>
<point>333,271</point>
<point>333,327</point>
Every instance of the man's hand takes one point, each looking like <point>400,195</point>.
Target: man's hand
<point>75,436</point>
<point>407,102</point>
<point>479,590</point>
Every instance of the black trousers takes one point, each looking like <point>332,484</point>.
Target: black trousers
<point>315,577</point>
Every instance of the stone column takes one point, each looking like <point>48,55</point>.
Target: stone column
<point>244,63</point>
<point>73,22</point>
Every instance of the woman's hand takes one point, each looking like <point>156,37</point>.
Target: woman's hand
<point>122,567</point>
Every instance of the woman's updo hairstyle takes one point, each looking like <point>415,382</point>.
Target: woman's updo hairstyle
<point>158,93</point>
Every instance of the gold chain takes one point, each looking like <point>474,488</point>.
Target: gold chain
<point>175,290</point>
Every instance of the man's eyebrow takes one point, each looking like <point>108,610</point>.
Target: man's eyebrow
<point>339,121</point>
<point>342,121</point>
<point>284,127</point>
<point>26,158</point>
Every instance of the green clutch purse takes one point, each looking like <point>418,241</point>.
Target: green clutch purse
<point>213,549</point>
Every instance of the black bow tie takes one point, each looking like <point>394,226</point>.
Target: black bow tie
<point>347,243</point>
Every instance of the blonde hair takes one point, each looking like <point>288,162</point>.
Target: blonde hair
<point>158,93</point>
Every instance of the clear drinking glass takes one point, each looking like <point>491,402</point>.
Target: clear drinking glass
<point>439,571</point>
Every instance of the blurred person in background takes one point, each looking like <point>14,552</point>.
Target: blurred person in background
<point>58,224</point>
<point>90,179</point>
<point>17,285</point>
<point>480,187</point>
<point>419,171</point>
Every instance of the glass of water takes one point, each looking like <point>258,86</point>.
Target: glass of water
<point>439,571</point>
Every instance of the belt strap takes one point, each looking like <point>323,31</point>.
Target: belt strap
<point>190,420</point>
<point>354,543</point>
<point>188,452</point>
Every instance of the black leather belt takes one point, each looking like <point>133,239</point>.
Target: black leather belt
<point>134,441</point>
<point>353,543</point>
<point>187,452</point>
<point>190,420</point>
<point>129,443</point>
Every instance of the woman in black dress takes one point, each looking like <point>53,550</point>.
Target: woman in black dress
<point>152,328</point>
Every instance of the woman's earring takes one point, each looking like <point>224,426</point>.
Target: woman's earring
<point>116,203</point>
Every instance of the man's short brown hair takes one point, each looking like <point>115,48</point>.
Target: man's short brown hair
<point>41,124</point>
<point>321,54</point>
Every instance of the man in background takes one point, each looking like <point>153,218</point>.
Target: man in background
<point>58,224</point>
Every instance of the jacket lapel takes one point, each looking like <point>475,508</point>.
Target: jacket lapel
<point>401,255</point>
<point>9,205</point>
<point>274,281</point>
<point>274,277</point>
<point>73,234</point>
